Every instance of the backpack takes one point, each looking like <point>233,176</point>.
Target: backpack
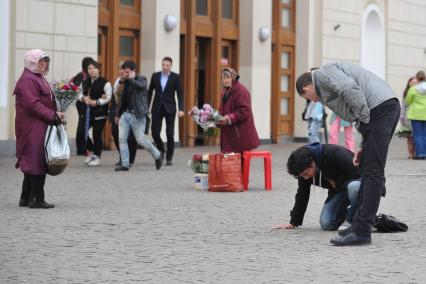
<point>389,224</point>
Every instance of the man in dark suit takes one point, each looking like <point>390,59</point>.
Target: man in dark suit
<point>165,83</point>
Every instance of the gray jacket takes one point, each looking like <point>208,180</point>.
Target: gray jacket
<point>350,90</point>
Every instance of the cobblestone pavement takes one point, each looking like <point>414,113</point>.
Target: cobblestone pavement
<point>148,226</point>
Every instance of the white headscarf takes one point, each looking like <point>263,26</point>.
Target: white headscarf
<point>32,57</point>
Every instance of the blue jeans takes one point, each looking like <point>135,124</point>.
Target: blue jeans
<point>127,121</point>
<point>340,207</point>
<point>419,135</point>
<point>314,127</point>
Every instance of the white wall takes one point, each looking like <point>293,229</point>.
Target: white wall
<point>255,61</point>
<point>406,41</point>
<point>5,95</point>
<point>65,29</point>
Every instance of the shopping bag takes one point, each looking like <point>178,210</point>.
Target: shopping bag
<point>225,172</point>
<point>57,150</point>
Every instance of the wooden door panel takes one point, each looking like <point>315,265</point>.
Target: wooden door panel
<point>283,39</point>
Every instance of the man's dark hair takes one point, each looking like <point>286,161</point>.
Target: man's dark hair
<point>85,63</point>
<point>94,63</point>
<point>298,161</point>
<point>304,80</point>
<point>168,59</point>
<point>129,64</point>
<point>420,76</point>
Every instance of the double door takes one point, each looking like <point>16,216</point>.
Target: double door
<point>118,40</point>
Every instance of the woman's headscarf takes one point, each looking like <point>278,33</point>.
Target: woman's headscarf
<point>32,57</point>
<point>229,71</point>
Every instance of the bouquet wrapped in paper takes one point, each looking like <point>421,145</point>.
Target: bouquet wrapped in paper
<point>65,93</point>
<point>206,118</point>
<point>199,163</point>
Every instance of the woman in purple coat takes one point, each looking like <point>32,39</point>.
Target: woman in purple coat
<point>35,110</point>
<point>238,131</point>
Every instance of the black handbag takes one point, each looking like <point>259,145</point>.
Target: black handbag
<point>389,224</point>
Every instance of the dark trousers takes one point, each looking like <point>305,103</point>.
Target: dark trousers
<point>131,142</point>
<point>33,188</point>
<point>377,135</point>
<point>157,121</point>
<point>419,136</point>
<point>79,137</point>
<point>97,129</point>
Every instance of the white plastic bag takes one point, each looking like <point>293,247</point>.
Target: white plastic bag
<point>57,150</point>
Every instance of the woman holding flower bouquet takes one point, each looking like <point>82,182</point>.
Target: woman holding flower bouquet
<point>35,110</point>
<point>238,132</point>
<point>96,94</point>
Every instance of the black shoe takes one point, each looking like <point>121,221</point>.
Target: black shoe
<point>23,203</point>
<point>351,239</point>
<point>169,163</point>
<point>121,168</point>
<point>158,163</point>
<point>346,231</point>
<point>40,205</point>
<point>118,164</point>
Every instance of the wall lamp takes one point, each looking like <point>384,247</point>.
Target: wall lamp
<point>170,23</point>
<point>264,33</point>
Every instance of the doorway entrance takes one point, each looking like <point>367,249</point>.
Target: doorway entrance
<point>283,49</point>
<point>119,24</point>
<point>209,41</point>
<point>202,83</point>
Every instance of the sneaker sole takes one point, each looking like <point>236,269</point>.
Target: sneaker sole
<point>358,243</point>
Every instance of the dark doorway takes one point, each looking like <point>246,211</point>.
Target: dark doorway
<point>202,83</point>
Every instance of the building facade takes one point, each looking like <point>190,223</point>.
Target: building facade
<point>269,42</point>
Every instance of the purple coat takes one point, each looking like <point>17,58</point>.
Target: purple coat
<point>35,109</point>
<point>241,135</point>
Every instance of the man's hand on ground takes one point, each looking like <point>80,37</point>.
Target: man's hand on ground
<point>284,226</point>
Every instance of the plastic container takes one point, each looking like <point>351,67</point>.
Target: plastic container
<point>201,181</point>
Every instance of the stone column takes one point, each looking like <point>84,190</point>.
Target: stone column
<point>308,52</point>
<point>4,68</point>
<point>255,61</point>
<point>158,43</point>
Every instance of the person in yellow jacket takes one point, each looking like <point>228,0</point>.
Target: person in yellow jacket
<point>416,102</point>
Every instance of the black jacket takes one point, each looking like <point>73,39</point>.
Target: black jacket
<point>95,90</point>
<point>166,98</point>
<point>335,163</point>
<point>135,97</point>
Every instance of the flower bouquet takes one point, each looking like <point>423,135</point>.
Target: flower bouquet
<point>199,163</point>
<point>200,166</point>
<point>403,131</point>
<point>206,118</point>
<point>65,93</point>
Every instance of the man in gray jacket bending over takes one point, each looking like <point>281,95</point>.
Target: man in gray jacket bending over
<point>357,95</point>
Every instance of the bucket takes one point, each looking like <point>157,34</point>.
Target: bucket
<point>201,181</point>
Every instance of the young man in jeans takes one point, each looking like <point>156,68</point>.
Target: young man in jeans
<point>330,167</point>
<point>357,95</point>
<point>132,115</point>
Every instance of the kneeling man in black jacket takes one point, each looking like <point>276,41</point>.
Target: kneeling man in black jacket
<point>330,167</point>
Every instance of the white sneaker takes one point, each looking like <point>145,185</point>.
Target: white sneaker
<point>89,158</point>
<point>345,225</point>
<point>94,162</point>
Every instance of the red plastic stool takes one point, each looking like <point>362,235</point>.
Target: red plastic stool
<point>267,160</point>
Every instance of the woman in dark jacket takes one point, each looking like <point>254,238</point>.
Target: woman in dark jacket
<point>238,132</point>
<point>96,94</point>
<point>35,110</point>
